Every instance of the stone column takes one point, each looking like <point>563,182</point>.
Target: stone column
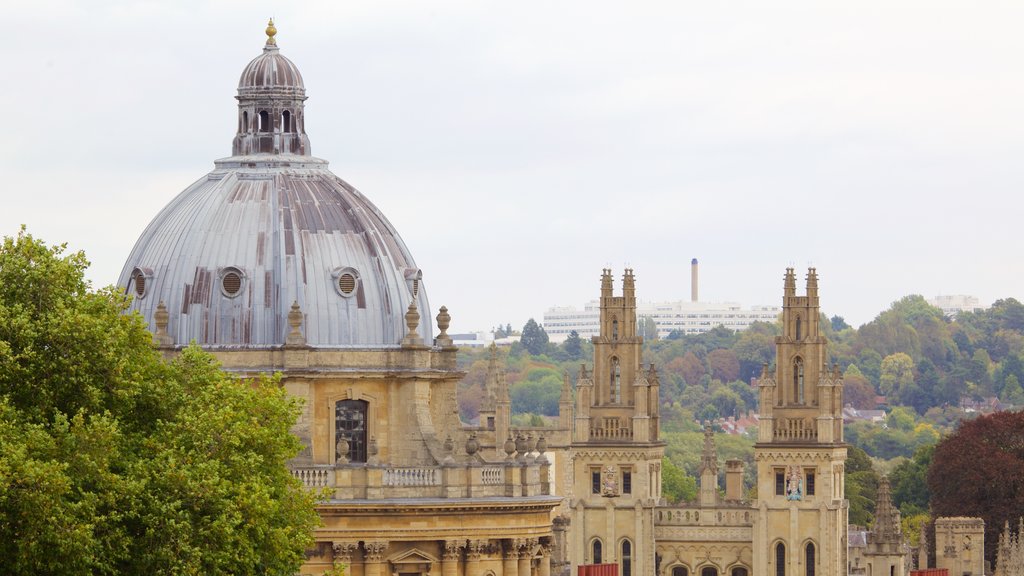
<point>374,558</point>
<point>452,556</point>
<point>509,558</point>
<point>526,555</point>
<point>475,549</point>
<point>544,568</point>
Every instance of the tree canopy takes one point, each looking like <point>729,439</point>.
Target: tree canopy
<point>979,471</point>
<point>113,461</point>
<point>534,338</point>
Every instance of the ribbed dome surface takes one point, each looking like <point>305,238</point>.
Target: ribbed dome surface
<point>232,252</point>
<point>271,70</point>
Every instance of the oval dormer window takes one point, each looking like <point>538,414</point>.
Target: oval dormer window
<point>231,280</point>
<point>139,282</point>
<point>346,281</point>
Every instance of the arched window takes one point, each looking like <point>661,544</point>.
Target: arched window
<point>709,571</point>
<point>616,381</point>
<point>350,424</point>
<point>627,558</point>
<point>809,559</point>
<point>245,122</point>
<point>680,571</point>
<point>596,552</point>
<point>615,328</point>
<point>264,121</point>
<point>286,121</point>
<point>798,331</point>
<point>798,381</point>
<point>780,559</point>
<point>739,571</point>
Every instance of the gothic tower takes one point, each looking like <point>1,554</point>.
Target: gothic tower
<point>616,450</point>
<point>800,525</point>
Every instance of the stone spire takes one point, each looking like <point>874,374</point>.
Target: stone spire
<point>708,470</point>
<point>491,380</point>
<point>887,518</point>
<point>709,455</point>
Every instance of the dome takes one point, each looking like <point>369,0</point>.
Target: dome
<point>271,227</point>
<point>271,70</point>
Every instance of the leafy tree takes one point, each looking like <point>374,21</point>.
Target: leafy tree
<point>979,471</point>
<point>861,486</point>
<point>909,482</point>
<point>692,369</point>
<point>115,462</point>
<point>857,390</point>
<point>1012,391</point>
<point>648,328</point>
<point>676,485</point>
<point>534,338</point>
<point>573,346</point>
<point>724,365</point>
<point>754,348</point>
<point>838,323</point>
<point>897,373</point>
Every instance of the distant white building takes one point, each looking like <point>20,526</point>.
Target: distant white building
<point>685,316</point>
<point>953,304</point>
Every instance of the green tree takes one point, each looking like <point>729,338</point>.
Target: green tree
<point>648,328</point>
<point>115,462</point>
<point>861,486</point>
<point>909,482</point>
<point>897,373</point>
<point>857,390</point>
<point>573,346</point>
<point>1012,391</point>
<point>676,485</point>
<point>534,338</point>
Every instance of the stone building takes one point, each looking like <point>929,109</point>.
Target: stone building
<point>274,264</point>
<point>881,551</point>
<point>797,524</point>
<point>960,545</point>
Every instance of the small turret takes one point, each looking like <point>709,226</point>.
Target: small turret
<point>708,470</point>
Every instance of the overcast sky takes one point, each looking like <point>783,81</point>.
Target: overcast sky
<point>521,147</point>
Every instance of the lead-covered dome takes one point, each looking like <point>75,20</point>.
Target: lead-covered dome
<point>270,227</point>
<point>271,69</point>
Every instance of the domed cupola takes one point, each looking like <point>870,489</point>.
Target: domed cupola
<point>270,105</point>
<point>271,244</point>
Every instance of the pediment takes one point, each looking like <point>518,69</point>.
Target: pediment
<point>413,556</point>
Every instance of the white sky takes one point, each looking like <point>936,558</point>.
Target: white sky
<point>521,147</point>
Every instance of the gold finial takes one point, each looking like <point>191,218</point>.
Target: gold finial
<point>271,32</point>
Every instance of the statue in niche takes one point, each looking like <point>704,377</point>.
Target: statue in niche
<point>794,484</point>
<point>610,481</point>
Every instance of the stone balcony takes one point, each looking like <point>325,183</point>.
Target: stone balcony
<point>358,481</point>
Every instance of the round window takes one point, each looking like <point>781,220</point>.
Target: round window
<point>231,283</point>
<point>347,283</point>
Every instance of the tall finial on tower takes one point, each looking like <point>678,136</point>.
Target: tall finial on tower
<point>271,32</point>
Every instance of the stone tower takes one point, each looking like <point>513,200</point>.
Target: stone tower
<point>800,524</point>
<point>616,450</point>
